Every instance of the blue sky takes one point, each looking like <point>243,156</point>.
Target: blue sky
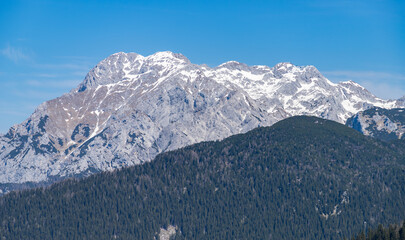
<point>47,47</point>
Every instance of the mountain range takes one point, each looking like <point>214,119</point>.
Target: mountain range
<point>129,108</point>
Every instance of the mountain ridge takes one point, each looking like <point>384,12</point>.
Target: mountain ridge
<point>129,108</point>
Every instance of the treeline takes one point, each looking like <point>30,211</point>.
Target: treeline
<point>302,178</point>
<point>392,232</point>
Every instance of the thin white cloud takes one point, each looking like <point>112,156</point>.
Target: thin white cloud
<point>53,84</point>
<point>34,83</point>
<point>80,73</point>
<point>36,94</point>
<point>46,75</point>
<point>80,58</point>
<point>74,66</point>
<point>383,90</point>
<point>13,112</point>
<point>14,54</point>
<point>364,74</point>
<point>382,84</point>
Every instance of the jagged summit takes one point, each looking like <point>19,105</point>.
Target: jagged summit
<point>351,82</point>
<point>120,66</point>
<point>284,66</point>
<point>129,108</point>
<point>169,55</point>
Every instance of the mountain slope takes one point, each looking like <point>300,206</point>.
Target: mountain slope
<point>385,124</point>
<point>129,108</point>
<point>302,178</point>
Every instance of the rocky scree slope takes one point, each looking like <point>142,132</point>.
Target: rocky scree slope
<point>129,108</point>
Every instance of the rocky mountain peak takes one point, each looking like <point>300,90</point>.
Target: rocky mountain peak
<point>353,85</point>
<point>129,108</point>
<point>120,66</point>
<point>283,66</point>
<point>169,56</point>
<point>233,65</point>
<point>401,101</point>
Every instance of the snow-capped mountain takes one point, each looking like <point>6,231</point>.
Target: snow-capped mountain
<point>385,124</point>
<point>129,108</point>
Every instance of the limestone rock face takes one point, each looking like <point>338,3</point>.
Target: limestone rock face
<point>385,124</point>
<point>129,108</point>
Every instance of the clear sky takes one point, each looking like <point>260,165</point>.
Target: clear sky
<point>47,47</point>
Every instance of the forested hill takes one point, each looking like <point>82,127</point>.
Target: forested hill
<point>302,178</point>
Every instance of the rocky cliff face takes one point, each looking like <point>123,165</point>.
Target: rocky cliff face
<point>129,108</point>
<point>385,124</point>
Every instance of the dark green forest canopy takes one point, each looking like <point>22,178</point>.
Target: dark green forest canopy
<point>392,232</point>
<point>302,178</point>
